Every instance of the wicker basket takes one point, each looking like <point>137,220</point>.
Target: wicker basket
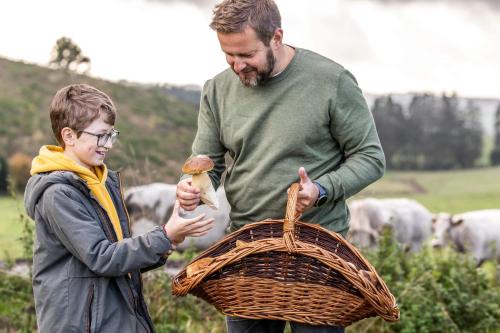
<point>288,270</point>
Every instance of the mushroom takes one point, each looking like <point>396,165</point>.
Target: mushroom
<point>197,167</point>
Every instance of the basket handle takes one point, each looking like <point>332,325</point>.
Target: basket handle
<point>291,212</point>
<point>290,217</point>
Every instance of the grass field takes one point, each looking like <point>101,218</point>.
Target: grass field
<point>450,191</point>
<point>10,228</point>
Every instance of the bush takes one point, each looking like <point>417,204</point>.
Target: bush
<point>178,314</point>
<point>436,292</point>
<point>19,166</point>
<point>17,312</point>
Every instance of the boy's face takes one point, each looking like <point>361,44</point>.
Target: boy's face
<point>85,151</point>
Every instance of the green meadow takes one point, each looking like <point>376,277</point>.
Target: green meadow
<point>442,191</point>
<point>10,228</point>
<point>447,191</point>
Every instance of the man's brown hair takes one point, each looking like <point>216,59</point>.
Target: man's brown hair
<point>234,16</point>
<point>76,106</point>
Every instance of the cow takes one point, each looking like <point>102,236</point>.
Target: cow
<point>152,204</point>
<point>410,221</point>
<point>475,232</point>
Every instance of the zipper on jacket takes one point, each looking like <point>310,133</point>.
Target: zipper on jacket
<point>120,186</point>
<point>106,221</point>
<point>90,299</point>
<point>110,233</point>
<point>139,299</point>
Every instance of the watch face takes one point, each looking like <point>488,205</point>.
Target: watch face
<point>321,201</point>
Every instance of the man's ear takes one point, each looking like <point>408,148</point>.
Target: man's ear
<point>68,136</point>
<point>456,220</point>
<point>277,38</point>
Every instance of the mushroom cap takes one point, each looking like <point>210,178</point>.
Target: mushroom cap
<point>197,164</point>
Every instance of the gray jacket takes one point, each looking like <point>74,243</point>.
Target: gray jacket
<point>83,280</point>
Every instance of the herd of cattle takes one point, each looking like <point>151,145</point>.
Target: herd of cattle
<point>475,232</point>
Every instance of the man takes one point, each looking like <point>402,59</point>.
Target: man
<point>286,111</point>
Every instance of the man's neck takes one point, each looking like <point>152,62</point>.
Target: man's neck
<point>283,59</point>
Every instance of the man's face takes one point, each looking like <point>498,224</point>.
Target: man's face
<point>248,56</point>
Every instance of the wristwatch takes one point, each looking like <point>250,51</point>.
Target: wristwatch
<point>322,195</point>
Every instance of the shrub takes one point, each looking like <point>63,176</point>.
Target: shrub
<point>178,314</point>
<point>436,292</point>
<point>19,166</point>
<point>16,307</point>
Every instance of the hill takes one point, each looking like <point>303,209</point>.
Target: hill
<point>156,127</point>
<point>157,122</point>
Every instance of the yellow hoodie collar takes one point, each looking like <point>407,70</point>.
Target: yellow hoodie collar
<point>52,158</point>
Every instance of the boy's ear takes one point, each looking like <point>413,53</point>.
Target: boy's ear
<point>68,136</point>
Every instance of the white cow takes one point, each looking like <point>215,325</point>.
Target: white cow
<point>151,205</point>
<point>476,232</point>
<point>411,222</point>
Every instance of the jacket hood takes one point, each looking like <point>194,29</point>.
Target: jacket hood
<point>38,183</point>
<point>52,167</point>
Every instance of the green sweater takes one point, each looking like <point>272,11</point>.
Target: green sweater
<point>312,114</point>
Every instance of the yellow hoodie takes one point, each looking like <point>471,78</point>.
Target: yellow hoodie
<point>52,158</point>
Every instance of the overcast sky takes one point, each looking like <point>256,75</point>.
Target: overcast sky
<point>389,45</point>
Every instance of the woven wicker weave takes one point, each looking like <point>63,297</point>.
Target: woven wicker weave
<point>288,270</point>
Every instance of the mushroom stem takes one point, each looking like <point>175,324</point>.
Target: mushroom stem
<point>208,195</point>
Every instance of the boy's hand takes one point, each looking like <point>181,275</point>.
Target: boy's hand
<point>188,195</point>
<point>177,228</point>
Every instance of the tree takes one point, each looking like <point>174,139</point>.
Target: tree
<point>423,132</point>
<point>67,55</point>
<point>470,142</point>
<point>495,154</point>
<point>435,133</point>
<point>391,127</point>
<point>4,173</point>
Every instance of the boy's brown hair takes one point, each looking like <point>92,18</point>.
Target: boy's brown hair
<point>76,106</point>
<point>234,15</point>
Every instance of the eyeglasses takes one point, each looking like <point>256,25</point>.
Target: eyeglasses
<point>102,139</point>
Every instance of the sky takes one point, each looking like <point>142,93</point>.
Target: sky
<point>391,46</point>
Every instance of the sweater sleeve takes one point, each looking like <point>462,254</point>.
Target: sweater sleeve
<point>82,235</point>
<point>208,137</point>
<point>352,125</point>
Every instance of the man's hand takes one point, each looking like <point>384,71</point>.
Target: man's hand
<point>308,193</point>
<point>177,228</point>
<point>187,194</point>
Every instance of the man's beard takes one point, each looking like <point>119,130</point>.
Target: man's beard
<point>262,76</point>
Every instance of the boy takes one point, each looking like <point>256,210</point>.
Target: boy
<point>86,268</point>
